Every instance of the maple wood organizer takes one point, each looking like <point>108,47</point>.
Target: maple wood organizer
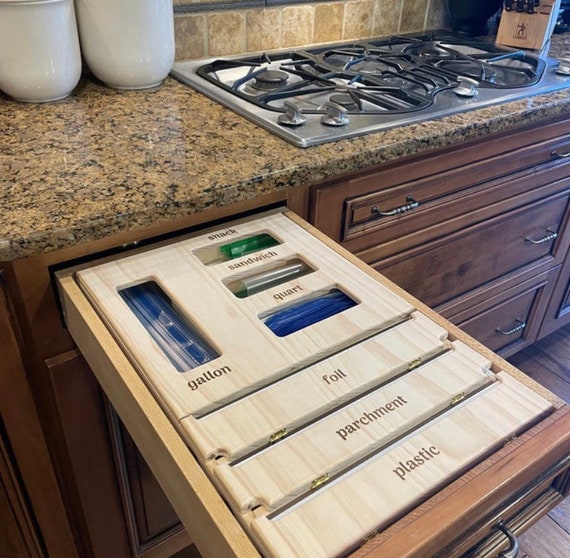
<point>321,404</point>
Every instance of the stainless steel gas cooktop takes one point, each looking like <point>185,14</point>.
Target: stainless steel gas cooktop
<point>322,94</point>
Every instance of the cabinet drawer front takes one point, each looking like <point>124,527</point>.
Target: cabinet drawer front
<point>397,215</point>
<point>522,509</point>
<point>384,204</point>
<point>446,268</point>
<point>503,325</point>
<point>505,317</point>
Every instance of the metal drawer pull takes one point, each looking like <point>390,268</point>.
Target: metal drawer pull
<point>558,155</point>
<point>515,329</point>
<point>411,205</point>
<point>513,549</point>
<point>550,236</point>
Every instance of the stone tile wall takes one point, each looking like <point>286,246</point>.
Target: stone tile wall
<point>230,30</point>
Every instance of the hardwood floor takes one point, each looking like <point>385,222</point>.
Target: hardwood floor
<point>548,362</point>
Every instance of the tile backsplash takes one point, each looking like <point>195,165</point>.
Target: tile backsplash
<point>232,30</point>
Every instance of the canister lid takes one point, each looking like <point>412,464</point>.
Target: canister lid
<point>31,1</point>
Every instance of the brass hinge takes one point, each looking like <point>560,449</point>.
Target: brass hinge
<point>459,397</point>
<point>319,481</point>
<point>277,436</point>
<point>414,363</point>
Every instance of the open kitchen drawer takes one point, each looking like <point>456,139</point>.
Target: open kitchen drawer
<point>293,402</point>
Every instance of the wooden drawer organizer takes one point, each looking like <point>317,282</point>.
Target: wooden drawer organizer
<point>315,439</point>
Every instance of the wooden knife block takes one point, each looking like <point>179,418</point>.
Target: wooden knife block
<point>528,31</point>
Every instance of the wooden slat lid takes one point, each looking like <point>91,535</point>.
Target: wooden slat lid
<point>253,421</point>
<point>336,518</point>
<point>329,447</point>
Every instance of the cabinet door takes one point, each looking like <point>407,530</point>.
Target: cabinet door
<point>17,534</point>
<point>153,525</point>
<point>119,507</point>
<point>17,539</point>
<point>27,476</point>
<point>558,311</point>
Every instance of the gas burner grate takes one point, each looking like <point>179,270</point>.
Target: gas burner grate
<point>395,75</point>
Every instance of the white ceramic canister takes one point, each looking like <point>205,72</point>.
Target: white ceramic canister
<point>40,59</point>
<point>127,44</point>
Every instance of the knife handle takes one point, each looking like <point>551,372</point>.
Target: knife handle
<point>520,5</point>
<point>509,5</point>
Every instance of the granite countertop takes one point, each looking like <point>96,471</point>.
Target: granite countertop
<point>104,161</point>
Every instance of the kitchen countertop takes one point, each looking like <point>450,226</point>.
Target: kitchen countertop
<point>104,161</point>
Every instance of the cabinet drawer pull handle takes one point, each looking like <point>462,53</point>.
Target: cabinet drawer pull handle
<point>412,204</point>
<point>550,236</point>
<point>557,155</point>
<point>515,329</point>
<point>513,549</point>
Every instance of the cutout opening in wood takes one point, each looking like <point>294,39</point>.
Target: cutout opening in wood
<point>235,248</point>
<point>260,280</point>
<point>179,339</point>
<point>309,311</point>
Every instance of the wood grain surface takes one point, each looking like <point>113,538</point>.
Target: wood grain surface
<point>338,441</point>
<point>337,518</point>
<point>251,355</point>
<point>286,405</point>
<point>524,30</point>
<point>316,439</point>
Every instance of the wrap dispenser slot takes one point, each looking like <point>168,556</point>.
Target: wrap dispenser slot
<point>180,341</point>
<point>258,281</point>
<point>308,312</point>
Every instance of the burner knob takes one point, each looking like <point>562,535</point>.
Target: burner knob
<point>335,116</point>
<point>292,115</point>
<point>467,87</point>
<point>563,67</point>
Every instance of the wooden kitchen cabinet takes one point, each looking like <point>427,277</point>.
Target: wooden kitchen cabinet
<point>108,473</point>
<point>479,253</point>
<point>467,225</point>
<point>558,311</point>
<point>17,537</point>
<point>33,518</point>
<point>112,503</point>
<point>506,318</point>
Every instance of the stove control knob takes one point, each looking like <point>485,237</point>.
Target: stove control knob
<point>335,116</point>
<point>467,87</point>
<point>563,67</point>
<point>292,115</point>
